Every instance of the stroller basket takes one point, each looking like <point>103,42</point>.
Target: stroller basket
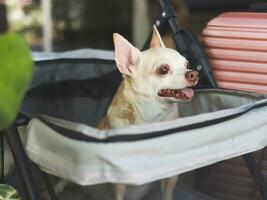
<point>69,96</point>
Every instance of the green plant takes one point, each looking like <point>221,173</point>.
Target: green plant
<point>15,73</point>
<point>8,193</point>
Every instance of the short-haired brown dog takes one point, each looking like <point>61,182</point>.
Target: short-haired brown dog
<point>153,80</point>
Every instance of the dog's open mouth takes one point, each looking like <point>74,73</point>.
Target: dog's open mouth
<point>185,94</point>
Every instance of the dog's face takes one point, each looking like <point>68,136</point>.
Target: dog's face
<point>159,73</point>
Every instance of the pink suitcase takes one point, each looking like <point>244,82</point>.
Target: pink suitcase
<point>236,44</point>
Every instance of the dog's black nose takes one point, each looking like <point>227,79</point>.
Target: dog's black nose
<point>191,75</point>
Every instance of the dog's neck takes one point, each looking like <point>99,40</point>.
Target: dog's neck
<point>130,107</point>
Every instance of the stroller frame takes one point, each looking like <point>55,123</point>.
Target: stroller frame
<point>190,47</point>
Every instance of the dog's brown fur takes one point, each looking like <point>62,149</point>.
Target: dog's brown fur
<point>126,112</point>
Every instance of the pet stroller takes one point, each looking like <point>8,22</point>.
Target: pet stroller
<point>70,93</point>
<point>64,142</point>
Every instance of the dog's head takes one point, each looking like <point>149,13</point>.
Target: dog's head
<point>158,72</point>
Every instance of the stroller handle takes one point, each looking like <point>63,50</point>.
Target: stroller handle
<point>186,43</point>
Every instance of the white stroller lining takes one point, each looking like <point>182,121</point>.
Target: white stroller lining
<point>142,154</point>
<point>77,87</point>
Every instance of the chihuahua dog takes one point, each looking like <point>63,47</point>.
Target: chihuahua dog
<point>153,80</point>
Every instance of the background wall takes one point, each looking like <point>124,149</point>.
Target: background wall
<point>90,23</point>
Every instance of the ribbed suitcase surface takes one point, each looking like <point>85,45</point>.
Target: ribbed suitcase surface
<point>236,44</point>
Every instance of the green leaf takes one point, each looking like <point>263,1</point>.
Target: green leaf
<point>16,68</point>
<point>8,193</point>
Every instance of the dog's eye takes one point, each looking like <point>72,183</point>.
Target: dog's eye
<point>163,69</point>
<point>187,65</point>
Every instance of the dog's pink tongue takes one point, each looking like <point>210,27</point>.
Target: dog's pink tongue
<point>188,92</point>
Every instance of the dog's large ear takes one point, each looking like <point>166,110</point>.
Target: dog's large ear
<point>126,55</point>
<point>156,40</point>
